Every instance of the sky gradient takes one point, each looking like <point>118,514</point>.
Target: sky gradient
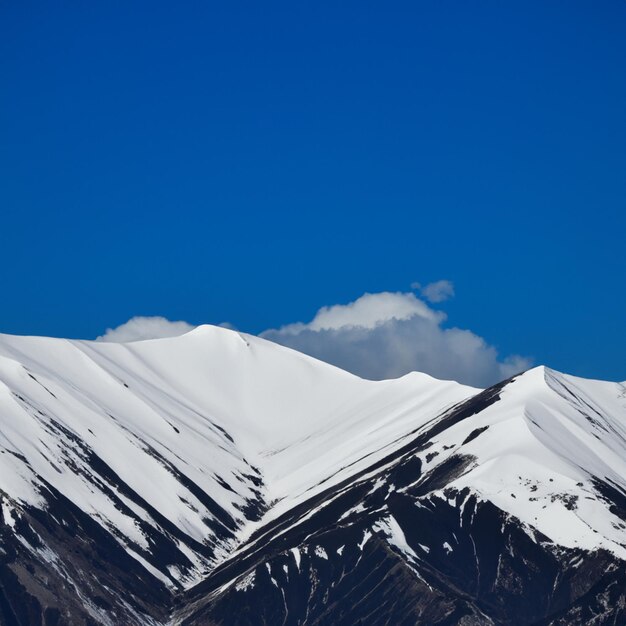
<point>251,163</point>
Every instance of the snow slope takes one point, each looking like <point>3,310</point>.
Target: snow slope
<point>183,448</point>
<point>547,443</point>
<point>248,422</point>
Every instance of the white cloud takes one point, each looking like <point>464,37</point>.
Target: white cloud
<point>139,328</point>
<point>369,311</point>
<point>385,335</point>
<point>438,291</point>
<point>379,335</point>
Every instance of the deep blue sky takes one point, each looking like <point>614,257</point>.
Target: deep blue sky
<point>252,162</point>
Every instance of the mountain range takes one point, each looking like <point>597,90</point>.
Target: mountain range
<point>217,478</point>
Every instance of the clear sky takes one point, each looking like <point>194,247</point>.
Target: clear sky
<point>251,162</point>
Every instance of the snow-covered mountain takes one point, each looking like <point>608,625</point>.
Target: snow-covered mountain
<point>218,478</point>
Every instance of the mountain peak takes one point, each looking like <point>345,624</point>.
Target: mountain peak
<point>189,458</point>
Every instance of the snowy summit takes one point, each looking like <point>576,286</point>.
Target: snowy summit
<point>219,478</point>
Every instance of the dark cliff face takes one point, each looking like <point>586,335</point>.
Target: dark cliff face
<point>59,566</point>
<point>400,547</point>
<point>495,574</point>
<point>393,544</point>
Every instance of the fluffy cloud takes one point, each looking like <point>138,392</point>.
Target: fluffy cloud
<point>379,335</point>
<point>369,311</point>
<point>385,335</point>
<point>139,328</point>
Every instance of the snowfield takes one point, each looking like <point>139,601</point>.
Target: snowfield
<point>223,409</point>
<point>184,449</point>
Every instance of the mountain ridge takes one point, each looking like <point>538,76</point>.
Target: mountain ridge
<point>186,454</point>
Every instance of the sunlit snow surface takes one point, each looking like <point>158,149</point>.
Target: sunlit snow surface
<point>217,432</point>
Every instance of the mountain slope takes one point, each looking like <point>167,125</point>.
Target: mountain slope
<point>425,522</point>
<point>219,478</point>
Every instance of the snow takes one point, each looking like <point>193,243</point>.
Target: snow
<point>269,571</point>
<point>296,556</point>
<point>319,551</point>
<point>209,406</point>
<point>540,450</point>
<point>366,535</point>
<point>247,582</point>
<point>7,513</point>
<point>389,527</point>
<point>355,510</point>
